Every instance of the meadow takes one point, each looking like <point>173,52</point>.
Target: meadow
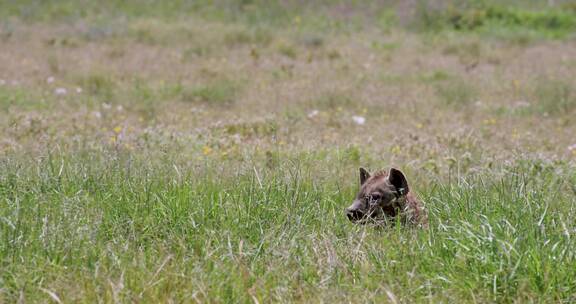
<point>204,151</point>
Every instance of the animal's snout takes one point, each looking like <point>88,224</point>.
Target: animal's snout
<point>354,214</point>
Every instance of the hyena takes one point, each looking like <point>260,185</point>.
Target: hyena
<point>385,197</point>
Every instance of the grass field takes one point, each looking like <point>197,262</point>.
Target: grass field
<point>205,151</point>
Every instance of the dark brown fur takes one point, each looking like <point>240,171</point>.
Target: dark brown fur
<point>385,197</point>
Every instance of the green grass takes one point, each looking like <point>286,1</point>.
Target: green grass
<point>18,97</point>
<point>121,230</point>
<point>204,151</point>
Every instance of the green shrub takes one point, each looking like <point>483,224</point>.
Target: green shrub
<point>479,16</point>
<point>554,96</point>
<point>221,92</point>
<point>333,101</point>
<point>99,85</point>
<point>256,36</point>
<point>457,93</point>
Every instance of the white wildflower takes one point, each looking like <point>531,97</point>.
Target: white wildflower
<point>359,120</point>
<point>60,91</point>
<point>50,79</point>
<point>521,104</point>
<point>313,113</point>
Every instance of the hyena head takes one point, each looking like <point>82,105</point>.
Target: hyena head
<point>381,195</point>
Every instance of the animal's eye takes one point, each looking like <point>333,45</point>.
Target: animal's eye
<point>374,197</point>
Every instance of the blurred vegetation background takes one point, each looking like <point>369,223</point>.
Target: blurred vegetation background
<point>549,18</point>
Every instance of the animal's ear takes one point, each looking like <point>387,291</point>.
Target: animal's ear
<point>364,175</point>
<point>398,180</point>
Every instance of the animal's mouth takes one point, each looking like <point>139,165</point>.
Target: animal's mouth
<point>355,215</point>
<point>359,217</point>
<point>373,217</point>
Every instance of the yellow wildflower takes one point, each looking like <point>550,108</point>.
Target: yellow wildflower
<point>516,85</point>
<point>206,150</point>
<point>489,121</point>
<point>515,134</point>
<point>297,20</point>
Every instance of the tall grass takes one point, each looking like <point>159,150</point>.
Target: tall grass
<point>121,230</point>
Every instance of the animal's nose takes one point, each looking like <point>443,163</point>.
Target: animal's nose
<point>354,215</point>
